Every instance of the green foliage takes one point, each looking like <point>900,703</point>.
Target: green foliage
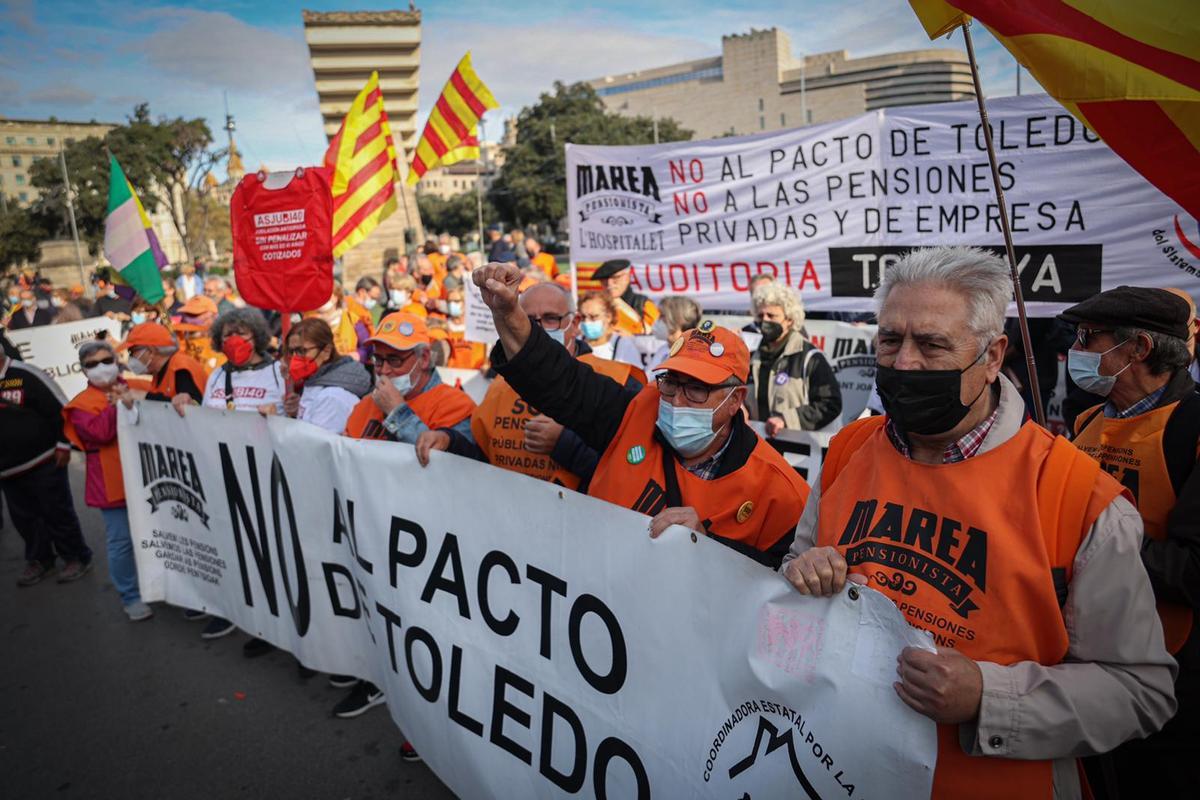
<point>164,155</point>
<point>207,219</point>
<point>531,187</point>
<point>20,234</point>
<point>456,215</point>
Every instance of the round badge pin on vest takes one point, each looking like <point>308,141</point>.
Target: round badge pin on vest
<point>744,512</point>
<point>716,349</point>
<point>675,348</point>
<point>636,454</point>
<point>406,328</point>
<point>706,326</point>
<point>782,378</point>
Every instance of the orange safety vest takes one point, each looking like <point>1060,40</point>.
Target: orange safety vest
<point>755,504</point>
<point>498,426</point>
<point>442,406</point>
<point>465,354</point>
<point>987,579</point>
<point>94,401</point>
<point>546,263</point>
<point>165,387</point>
<point>629,321</point>
<point>1131,450</point>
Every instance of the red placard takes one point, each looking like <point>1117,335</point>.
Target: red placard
<point>283,239</point>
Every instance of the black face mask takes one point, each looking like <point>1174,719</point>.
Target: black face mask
<point>426,280</point>
<point>771,331</point>
<point>924,401</point>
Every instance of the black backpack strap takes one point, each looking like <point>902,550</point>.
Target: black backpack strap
<point>229,401</point>
<point>1180,440</point>
<point>1081,428</point>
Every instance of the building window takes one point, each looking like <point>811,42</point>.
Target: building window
<point>808,112</point>
<point>783,120</point>
<point>760,104</point>
<point>650,83</point>
<point>10,140</point>
<point>50,141</point>
<point>70,141</point>
<point>23,197</point>
<point>30,140</point>
<point>20,180</point>
<point>762,123</point>
<point>16,161</point>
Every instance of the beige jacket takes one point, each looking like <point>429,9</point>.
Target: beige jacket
<point>1117,681</point>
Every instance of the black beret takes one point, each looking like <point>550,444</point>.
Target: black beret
<point>1135,307</point>
<point>610,268</point>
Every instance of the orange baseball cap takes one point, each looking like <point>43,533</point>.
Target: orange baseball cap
<point>200,304</point>
<point>401,330</point>
<point>710,354</point>
<point>148,334</point>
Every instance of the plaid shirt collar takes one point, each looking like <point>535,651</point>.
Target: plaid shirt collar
<point>1140,407</point>
<point>707,469</point>
<point>966,447</point>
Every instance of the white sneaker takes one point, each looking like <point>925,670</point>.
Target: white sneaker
<point>138,611</point>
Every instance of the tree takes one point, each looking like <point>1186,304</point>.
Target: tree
<point>165,160</point>
<point>20,235</point>
<point>207,220</point>
<point>531,186</point>
<point>457,215</point>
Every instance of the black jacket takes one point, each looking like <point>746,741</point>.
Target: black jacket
<point>41,316</point>
<point>570,392</point>
<point>31,423</point>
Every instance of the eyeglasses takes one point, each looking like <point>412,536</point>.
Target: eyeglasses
<point>550,322</point>
<point>395,362</point>
<point>669,386</point>
<point>305,350</point>
<point>99,361</point>
<point>1083,334</point>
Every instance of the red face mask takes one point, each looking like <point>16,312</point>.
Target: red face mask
<point>237,349</point>
<point>301,368</point>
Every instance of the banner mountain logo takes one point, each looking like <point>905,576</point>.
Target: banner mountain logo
<point>171,476</point>
<point>763,746</point>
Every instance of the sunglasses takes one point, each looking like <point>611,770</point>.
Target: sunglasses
<point>99,361</point>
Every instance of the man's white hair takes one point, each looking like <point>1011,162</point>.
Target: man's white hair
<point>982,278</point>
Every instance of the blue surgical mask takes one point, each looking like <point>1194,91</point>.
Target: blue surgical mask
<point>1084,368</point>
<point>592,330</point>
<point>688,430</point>
<point>137,317</point>
<point>556,335</point>
<point>455,308</point>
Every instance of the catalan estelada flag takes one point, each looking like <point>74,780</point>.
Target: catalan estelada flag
<point>1130,71</point>
<point>362,158</point>
<point>453,120</point>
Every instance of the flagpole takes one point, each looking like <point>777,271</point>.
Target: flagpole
<point>479,186</point>
<point>1030,365</point>
<point>62,160</point>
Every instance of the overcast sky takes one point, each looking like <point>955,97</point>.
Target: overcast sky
<point>95,59</point>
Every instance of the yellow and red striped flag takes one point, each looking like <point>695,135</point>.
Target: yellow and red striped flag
<point>467,150</point>
<point>453,120</point>
<point>362,157</point>
<point>1129,71</point>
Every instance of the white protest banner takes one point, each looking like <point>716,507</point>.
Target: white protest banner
<point>532,642</point>
<point>851,353</point>
<point>480,325</point>
<point>55,348</point>
<point>826,208</point>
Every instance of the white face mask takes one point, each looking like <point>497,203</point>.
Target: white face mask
<point>137,366</point>
<point>444,249</point>
<point>102,375</point>
<point>403,383</point>
<point>399,298</point>
<point>369,303</point>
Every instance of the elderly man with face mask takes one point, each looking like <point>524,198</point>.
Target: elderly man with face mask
<point>409,398</point>
<point>155,353</point>
<point>510,433</point>
<point>1008,544</point>
<point>1131,347</point>
<point>678,450</point>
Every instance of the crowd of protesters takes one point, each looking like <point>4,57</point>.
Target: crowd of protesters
<point>1067,657</point>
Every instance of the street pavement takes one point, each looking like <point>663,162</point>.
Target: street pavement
<point>94,706</point>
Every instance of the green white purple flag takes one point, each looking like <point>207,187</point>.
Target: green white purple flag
<point>129,241</point>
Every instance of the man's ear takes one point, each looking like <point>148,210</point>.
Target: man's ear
<point>1143,347</point>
